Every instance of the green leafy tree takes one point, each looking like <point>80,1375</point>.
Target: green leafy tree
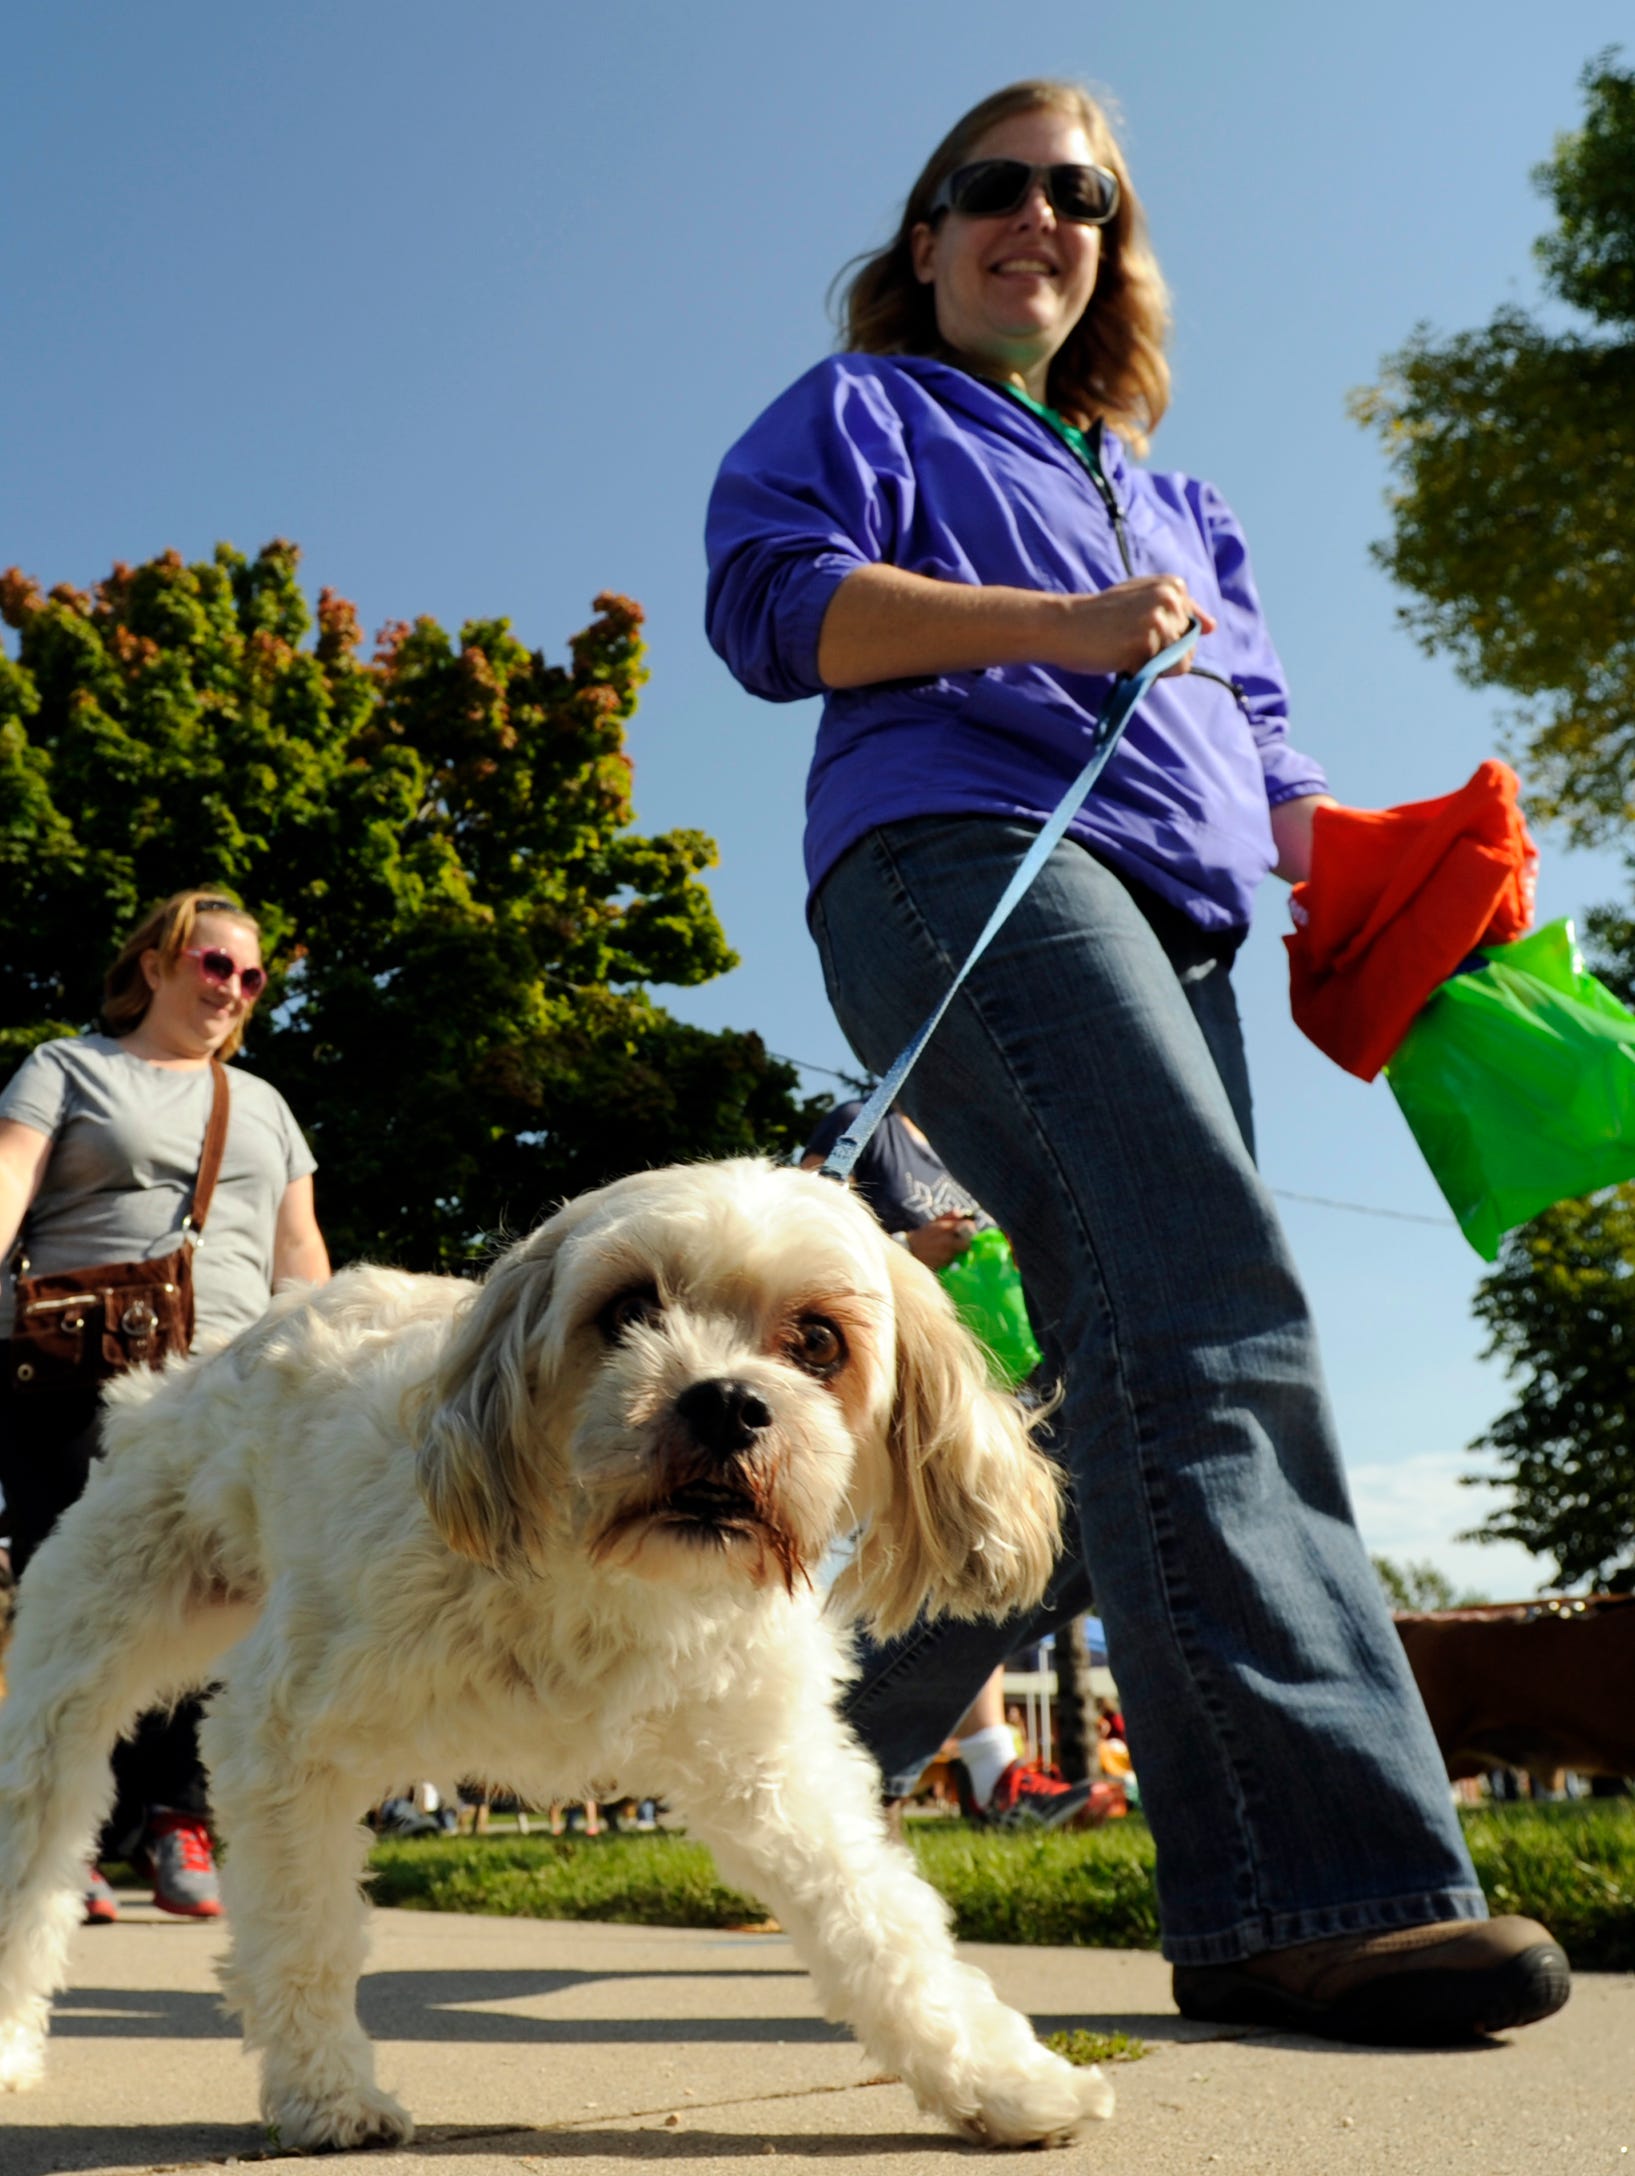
<point>1513,457</point>
<point>1419,1585</point>
<point>461,922</point>
<point>1560,1311</point>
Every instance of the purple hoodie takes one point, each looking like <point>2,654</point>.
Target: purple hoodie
<point>911,461</point>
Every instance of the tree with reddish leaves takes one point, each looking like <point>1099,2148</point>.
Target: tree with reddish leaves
<point>461,923</point>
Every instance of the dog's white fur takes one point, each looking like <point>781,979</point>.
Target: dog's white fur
<point>414,1526</point>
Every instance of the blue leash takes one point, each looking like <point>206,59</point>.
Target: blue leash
<point>1121,707</point>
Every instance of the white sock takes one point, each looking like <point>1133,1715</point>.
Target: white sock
<point>987,1754</point>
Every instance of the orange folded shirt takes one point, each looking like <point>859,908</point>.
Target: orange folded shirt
<point>1396,900</point>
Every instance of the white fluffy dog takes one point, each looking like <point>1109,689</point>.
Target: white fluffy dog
<point>556,1529</point>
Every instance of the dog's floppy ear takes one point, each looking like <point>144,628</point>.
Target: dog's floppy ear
<point>479,1424</point>
<point>966,1518</point>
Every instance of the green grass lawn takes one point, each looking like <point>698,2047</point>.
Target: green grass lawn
<point>1571,1865</point>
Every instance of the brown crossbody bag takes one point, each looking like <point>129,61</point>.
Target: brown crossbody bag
<point>79,1326</point>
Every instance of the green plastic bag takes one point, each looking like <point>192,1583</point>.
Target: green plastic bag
<point>984,1285</point>
<point>1518,1082</point>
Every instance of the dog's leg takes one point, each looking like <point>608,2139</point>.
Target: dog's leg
<point>290,1881</point>
<point>791,1807</point>
<point>90,1654</point>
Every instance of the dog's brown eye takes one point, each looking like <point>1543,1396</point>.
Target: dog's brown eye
<point>817,1345</point>
<point>639,1304</point>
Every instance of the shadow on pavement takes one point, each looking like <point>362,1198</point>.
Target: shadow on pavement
<point>61,2149</point>
<point>57,2149</point>
<point>430,2006</point>
<point>855,2147</point>
<point>452,2009</point>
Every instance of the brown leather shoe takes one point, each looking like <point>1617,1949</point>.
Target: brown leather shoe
<point>1414,1986</point>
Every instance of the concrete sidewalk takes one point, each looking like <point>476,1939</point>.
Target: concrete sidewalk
<point>528,2049</point>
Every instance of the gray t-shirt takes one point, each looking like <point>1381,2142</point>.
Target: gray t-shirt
<point>126,1137</point>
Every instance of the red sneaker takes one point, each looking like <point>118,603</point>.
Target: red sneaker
<point>101,1908</point>
<point>184,1867</point>
<point>1025,1796</point>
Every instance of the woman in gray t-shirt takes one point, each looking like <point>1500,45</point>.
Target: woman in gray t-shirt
<point>100,1139</point>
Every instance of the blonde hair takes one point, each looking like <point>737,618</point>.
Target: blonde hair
<point>167,930</point>
<point>1112,366</point>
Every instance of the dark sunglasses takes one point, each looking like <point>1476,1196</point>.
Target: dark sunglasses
<point>218,966</point>
<point>987,189</point>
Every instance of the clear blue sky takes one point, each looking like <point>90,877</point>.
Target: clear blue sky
<point>469,301</point>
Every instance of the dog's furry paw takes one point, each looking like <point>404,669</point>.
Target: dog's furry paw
<point>22,2057</point>
<point>298,2123</point>
<point>1039,2105</point>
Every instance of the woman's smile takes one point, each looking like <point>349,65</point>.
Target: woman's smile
<point>1009,289</point>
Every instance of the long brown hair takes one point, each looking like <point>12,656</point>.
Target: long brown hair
<point>1112,366</point>
<point>168,930</point>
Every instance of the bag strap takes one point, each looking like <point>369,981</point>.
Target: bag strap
<point>1128,690</point>
<point>215,1141</point>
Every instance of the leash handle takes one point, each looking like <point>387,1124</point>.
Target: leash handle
<point>1128,691</point>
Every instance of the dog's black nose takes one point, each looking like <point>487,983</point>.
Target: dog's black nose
<point>723,1415</point>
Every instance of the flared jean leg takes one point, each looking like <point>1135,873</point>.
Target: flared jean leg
<point>1287,1769</point>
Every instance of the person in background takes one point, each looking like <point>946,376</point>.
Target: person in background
<point>920,1202</point>
<point>100,1143</point>
<point>946,533</point>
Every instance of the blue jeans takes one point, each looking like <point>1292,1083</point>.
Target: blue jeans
<point>1088,1086</point>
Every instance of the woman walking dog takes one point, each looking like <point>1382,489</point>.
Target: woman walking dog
<point>945,532</point>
